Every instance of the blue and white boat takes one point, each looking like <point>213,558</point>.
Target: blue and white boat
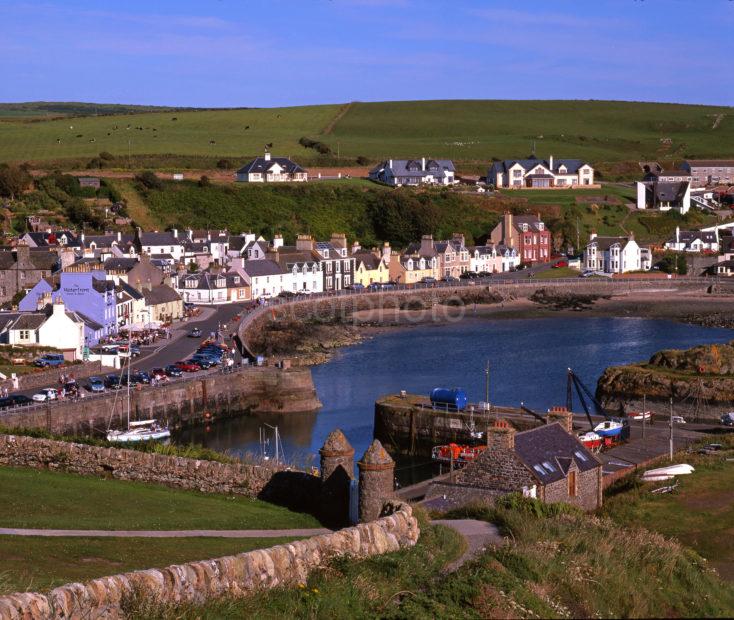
<point>609,428</point>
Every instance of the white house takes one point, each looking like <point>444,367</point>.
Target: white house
<point>167,243</point>
<point>534,172</point>
<point>510,258</point>
<point>664,195</point>
<point>484,258</point>
<point>269,169</point>
<point>614,255</point>
<point>422,171</point>
<point>202,287</point>
<point>265,277</point>
<point>693,241</point>
<point>54,326</point>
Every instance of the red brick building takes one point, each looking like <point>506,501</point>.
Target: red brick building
<point>525,233</point>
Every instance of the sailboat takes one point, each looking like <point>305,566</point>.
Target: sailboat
<point>141,430</point>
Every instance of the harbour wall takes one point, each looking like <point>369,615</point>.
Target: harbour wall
<point>236,576</point>
<point>179,403</point>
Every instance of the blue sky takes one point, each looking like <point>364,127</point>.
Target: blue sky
<point>293,52</point>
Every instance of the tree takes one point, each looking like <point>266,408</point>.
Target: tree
<point>204,181</point>
<point>224,164</point>
<point>149,180</point>
<point>13,180</point>
<point>362,161</point>
<point>682,264</point>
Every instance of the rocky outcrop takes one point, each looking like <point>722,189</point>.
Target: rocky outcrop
<point>699,380</point>
<point>197,582</point>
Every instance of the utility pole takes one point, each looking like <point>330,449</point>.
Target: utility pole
<point>671,429</point>
<point>486,386</point>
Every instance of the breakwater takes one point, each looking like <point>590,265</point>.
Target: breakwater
<point>182,403</point>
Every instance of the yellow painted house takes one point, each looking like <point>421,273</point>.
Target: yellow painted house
<point>409,268</point>
<point>370,268</point>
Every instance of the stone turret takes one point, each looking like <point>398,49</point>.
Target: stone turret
<point>376,481</point>
<point>337,471</point>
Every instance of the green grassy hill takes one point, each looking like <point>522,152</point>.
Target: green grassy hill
<point>467,131</point>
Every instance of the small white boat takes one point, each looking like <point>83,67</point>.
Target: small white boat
<point>665,473</point>
<point>142,430</point>
<point>639,415</point>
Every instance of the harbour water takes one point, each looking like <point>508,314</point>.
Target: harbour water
<point>528,359</point>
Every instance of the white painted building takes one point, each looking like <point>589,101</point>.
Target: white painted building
<point>664,196</point>
<point>54,326</point>
<point>422,171</point>
<point>534,172</point>
<point>484,258</point>
<point>614,255</point>
<point>693,241</point>
<point>265,277</point>
<point>269,169</point>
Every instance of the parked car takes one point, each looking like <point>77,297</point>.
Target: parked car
<point>45,394</point>
<point>469,275</point>
<point>202,362</point>
<point>141,377</point>
<point>6,403</point>
<point>188,366</point>
<point>195,333</point>
<point>20,400</point>
<point>451,279</point>
<point>728,419</point>
<point>173,371</point>
<point>49,359</point>
<point>356,287</point>
<point>678,419</point>
<point>113,382</point>
<point>560,263</point>
<point>212,360</point>
<point>95,384</point>
<point>428,280</point>
<point>159,374</point>
<point>485,274</point>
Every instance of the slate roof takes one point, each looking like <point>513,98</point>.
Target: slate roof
<point>131,290</point>
<point>572,165</point>
<point>259,268</point>
<point>160,294</point>
<point>159,238</point>
<point>120,264</point>
<point>204,280</point>
<point>30,320</point>
<point>103,286</point>
<point>41,239</point>
<point>368,259</point>
<point>670,192</point>
<point>688,236</point>
<point>604,243</point>
<point>261,165</point>
<point>533,222</point>
<point>42,260</point>
<point>552,444</point>
<point>413,167</point>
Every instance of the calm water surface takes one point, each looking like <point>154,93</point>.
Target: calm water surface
<point>528,360</point>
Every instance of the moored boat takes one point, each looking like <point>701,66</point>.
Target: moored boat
<point>141,430</point>
<point>609,428</point>
<point>665,473</point>
<point>459,454</point>
<point>590,439</point>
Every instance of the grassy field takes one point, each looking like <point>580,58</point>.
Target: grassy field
<point>36,563</point>
<point>699,513</point>
<point>42,499</point>
<point>560,272</point>
<point>468,131</point>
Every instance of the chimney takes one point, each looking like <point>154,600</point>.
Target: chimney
<point>677,234</point>
<point>278,241</point>
<point>58,306</point>
<point>339,240</point>
<point>426,245</point>
<point>386,252</point>
<point>389,163</point>
<point>119,236</point>
<point>550,163</point>
<point>356,247</point>
<point>561,415</point>
<point>22,251</point>
<point>592,235</point>
<point>149,285</point>
<point>267,155</point>
<point>43,300</point>
<point>508,232</point>
<point>501,436</point>
<point>304,243</point>
<point>423,164</point>
<point>458,237</point>
<point>175,232</point>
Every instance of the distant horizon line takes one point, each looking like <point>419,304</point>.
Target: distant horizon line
<point>39,102</point>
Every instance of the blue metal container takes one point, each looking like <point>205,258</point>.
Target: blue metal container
<point>454,398</point>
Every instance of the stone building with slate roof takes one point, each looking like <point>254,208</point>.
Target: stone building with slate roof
<point>548,463</point>
<point>24,267</point>
<point>269,169</point>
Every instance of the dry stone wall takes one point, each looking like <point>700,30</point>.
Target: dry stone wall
<point>172,471</point>
<point>238,575</point>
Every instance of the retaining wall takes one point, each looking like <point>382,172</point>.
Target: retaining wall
<point>49,377</point>
<point>178,403</point>
<point>238,575</point>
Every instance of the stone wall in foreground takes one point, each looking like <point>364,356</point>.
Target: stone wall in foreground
<point>238,575</point>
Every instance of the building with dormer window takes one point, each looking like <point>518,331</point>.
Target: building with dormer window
<point>540,173</point>
<point>269,169</point>
<point>525,233</point>
<point>615,255</point>
<point>422,171</point>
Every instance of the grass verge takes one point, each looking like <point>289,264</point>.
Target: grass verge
<point>31,498</point>
<point>37,564</point>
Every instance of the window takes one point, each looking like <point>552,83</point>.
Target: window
<point>24,334</point>
<point>548,466</point>
<point>539,470</point>
<point>572,484</point>
<point>580,456</point>
<point>517,173</point>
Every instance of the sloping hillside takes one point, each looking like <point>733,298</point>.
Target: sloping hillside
<point>467,131</point>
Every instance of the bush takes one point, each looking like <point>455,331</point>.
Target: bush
<point>224,164</point>
<point>149,180</point>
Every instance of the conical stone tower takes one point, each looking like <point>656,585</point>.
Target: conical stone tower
<point>376,481</point>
